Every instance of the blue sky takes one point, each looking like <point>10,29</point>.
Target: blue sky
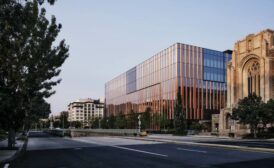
<point>107,37</point>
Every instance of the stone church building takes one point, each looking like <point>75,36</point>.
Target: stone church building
<point>250,70</point>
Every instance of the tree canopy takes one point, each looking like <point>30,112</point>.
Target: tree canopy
<point>179,115</point>
<point>29,61</point>
<point>250,111</point>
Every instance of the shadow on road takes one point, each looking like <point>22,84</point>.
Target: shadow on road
<point>265,163</point>
<point>260,144</point>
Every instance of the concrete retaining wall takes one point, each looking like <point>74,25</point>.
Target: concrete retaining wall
<point>92,132</point>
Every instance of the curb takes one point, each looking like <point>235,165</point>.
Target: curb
<point>252,149</point>
<point>18,153</point>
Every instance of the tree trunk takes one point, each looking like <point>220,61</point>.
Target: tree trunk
<point>11,138</point>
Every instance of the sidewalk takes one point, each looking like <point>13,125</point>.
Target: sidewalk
<point>5,154</point>
<point>208,141</point>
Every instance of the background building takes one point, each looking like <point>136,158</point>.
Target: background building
<point>251,70</point>
<point>199,73</point>
<point>84,110</point>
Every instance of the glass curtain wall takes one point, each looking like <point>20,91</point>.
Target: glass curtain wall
<point>199,72</point>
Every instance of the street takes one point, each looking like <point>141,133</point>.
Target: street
<point>222,141</point>
<point>99,152</point>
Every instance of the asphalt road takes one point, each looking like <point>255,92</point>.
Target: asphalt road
<point>247,143</point>
<point>217,140</point>
<point>104,152</point>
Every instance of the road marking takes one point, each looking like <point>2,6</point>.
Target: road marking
<point>77,148</point>
<point>191,150</point>
<point>120,147</point>
<point>136,150</point>
<point>7,165</point>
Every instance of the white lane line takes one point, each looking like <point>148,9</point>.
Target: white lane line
<point>136,150</point>
<point>125,148</point>
<point>6,165</point>
<point>191,150</point>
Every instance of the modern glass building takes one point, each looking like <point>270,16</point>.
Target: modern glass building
<point>198,73</point>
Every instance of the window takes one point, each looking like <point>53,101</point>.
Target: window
<point>249,45</point>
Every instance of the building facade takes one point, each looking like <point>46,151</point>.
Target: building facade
<point>85,110</point>
<point>251,70</point>
<point>198,73</point>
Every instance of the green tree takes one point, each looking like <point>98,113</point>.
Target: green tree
<point>179,115</point>
<point>250,111</point>
<point>146,118</point>
<point>156,119</point>
<point>64,119</point>
<point>76,124</point>
<point>132,119</point>
<point>104,123</point>
<point>111,121</point>
<point>28,61</point>
<point>40,109</point>
<point>57,124</point>
<point>164,122</point>
<point>268,113</point>
<point>95,123</point>
<point>120,121</point>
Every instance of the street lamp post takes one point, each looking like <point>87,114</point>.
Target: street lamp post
<point>139,124</point>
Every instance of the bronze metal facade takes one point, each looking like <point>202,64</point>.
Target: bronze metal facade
<point>199,72</point>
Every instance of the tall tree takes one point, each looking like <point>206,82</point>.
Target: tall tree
<point>28,61</point>
<point>111,121</point>
<point>164,122</point>
<point>268,113</point>
<point>250,111</point>
<point>64,119</point>
<point>179,115</point>
<point>146,118</point>
<point>132,119</point>
<point>120,121</point>
<point>40,109</point>
<point>95,123</point>
<point>104,123</point>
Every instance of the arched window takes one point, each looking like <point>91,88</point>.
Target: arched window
<point>254,78</point>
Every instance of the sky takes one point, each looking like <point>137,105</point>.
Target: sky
<point>108,37</point>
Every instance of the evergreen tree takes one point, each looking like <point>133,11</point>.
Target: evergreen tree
<point>120,121</point>
<point>111,121</point>
<point>164,122</point>
<point>132,120</point>
<point>28,61</point>
<point>146,118</point>
<point>179,115</point>
<point>95,123</point>
<point>64,119</point>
